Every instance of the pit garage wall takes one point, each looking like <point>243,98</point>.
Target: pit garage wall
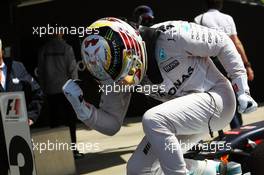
<point>249,21</point>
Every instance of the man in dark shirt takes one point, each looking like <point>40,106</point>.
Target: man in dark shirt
<point>13,78</point>
<point>57,64</point>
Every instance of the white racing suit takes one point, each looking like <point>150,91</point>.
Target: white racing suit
<point>196,95</point>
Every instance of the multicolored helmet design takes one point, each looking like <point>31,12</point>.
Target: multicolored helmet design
<point>116,53</point>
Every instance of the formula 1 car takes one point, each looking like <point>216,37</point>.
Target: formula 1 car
<point>244,145</point>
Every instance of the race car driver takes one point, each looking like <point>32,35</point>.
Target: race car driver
<point>196,96</point>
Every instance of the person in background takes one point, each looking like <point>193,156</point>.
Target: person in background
<point>215,19</point>
<point>143,15</point>
<point>14,77</point>
<point>56,64</point>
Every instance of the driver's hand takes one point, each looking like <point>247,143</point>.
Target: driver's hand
<point>246,103</point>
<point>74,94</point>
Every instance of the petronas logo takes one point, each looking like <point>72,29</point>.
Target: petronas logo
<point>109,34</point>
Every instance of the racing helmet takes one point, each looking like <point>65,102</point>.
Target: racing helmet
<point>115,53</point>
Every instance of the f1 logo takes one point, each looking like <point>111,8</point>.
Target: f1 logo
<point>13,107</point>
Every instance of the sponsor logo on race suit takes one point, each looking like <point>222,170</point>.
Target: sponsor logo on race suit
<point>176,85</point>
<point>162,54</point>
<point>167,68</point>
